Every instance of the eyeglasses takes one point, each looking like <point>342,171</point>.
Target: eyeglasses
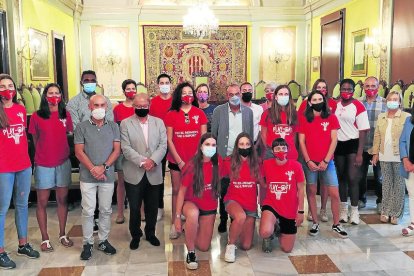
<point>187,118</point>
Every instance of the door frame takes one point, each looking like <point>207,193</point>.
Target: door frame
<point>59,36</point>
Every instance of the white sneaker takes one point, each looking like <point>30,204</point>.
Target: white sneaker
<point>323,215</point>
<point>343,216</point>
<point>230,255</point>
<point>354,218</point>
<point>160,214</point>
<point>173,233</point>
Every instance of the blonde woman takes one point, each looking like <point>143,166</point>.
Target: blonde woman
<point>386,150</point>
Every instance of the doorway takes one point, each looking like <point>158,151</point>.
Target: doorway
<point>4,52</point>
<point>59,61</point>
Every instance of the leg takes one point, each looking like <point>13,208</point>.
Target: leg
<point>238,216</point>
<point>247,233</point>
<point>287,241</point>
<point>120,195</point>
<point>378,182</point>
<point>161,190</point>
<point>205,231</point>
<point>334,195</point>
<point>6,191</point>
<point>387,187</point>
<point>223,214</point>
<point>42,199</point>
<point>341,168</point>
<point>267,224</point>
<point>134,195</point>
<point>324,196</point>
<point>366,158</point>
<point>88,203</point>
<point>354,174</point>
<point>105,192</point>
<point>20,198</point>
<point>311,194</point>
<point>175,182</point>
<point>398,192</point>
<point>151,193</point>
<point>408,231</point>
<point>191,213</point>
<point>62,208</point>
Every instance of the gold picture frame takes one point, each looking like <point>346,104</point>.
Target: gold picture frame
<point>359,55</point>
<point>39,64</point>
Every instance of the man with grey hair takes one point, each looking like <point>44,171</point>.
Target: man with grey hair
<point>97,147</point>
<point>270,89</point>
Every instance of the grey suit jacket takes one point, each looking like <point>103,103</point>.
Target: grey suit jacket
<point>220,125</point>
<point>135,149</point>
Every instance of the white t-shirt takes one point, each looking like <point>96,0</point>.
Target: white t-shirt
<point>352,118</point>
<point>388,155</point>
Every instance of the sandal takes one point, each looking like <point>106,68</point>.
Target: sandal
<point>408,231</point>
<point>384,218</point>
<point>394,220</point>
<point>120,220</point>
<point>45,246</point>
<point>65,241</point>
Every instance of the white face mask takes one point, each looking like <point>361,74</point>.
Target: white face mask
<point>165,88</point>
<point>98,114</point>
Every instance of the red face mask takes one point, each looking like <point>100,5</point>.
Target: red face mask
<point>187,99</point>
<point>269,97</point>
<point>323,91</point>
<point>130,95</point>
<point>371,92</point>
<point>54,100</point>
<point>346,96</point>
<point>8,94</point>
<point>280,155</point>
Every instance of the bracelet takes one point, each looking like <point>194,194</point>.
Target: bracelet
<point>308,161</point>
<point>301,212</point>
<point>180,162</point>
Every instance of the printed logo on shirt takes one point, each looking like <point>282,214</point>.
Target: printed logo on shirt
<point>325,126</point>
<point>342,110</point>
<point>63,122</point>
<point>20,114</point>
<point>279,188</point>
<point>243,184</point>
<point>186,134</point>
<point>289,174</point>
<point>282,130</point>
<point>14,132</point>
<point>195,118</point>
<point>207,187</point>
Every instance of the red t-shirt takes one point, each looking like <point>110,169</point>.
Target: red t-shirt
<point>207,201</point>
<point>318,135</point>
<point>52,148</point>
<point>331,102</point>
<point>243,190</point>
<point>14,154</point>
<point>122,112</point>
<point>185,136</point>
<point>160,107</point>
<point>282,130</point>
<point>282,190</point>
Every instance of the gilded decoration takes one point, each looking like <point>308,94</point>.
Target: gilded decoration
<point>223,56</point>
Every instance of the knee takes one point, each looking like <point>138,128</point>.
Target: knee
<point>105,209</point>
<point>203,247</point>
<point>88,211</point>
<point>42,204</point>
<point>239,218</point>
<point>175,189</point>
<point>286,248</point>
<point>265,232</point>
<point>192,214</point>
<point>62,200</point>
<point>246,245</point>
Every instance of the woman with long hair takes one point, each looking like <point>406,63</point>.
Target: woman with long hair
<point>203,94</point>
<point>15,169</point>
<point>49,127</point>
<point>317,140</point>
<point>197,198</point>
<point>280,121</point>
<point>185,124</point>
<point>242,167</point>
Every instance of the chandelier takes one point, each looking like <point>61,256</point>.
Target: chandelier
<point>200,21</point>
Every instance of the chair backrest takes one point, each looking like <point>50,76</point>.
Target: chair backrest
<point>398,86</point>
<point>408,100</point>
<point>336,91</point>
<point>358,90</point>
<point>141,88</point>
<point>260,89</point>
<point>294,89</point>
<point>36,98</point>
<point>299,101</point>
<point>382,89</point>
<point>28,101</point>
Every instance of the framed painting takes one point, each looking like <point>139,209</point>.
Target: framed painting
<point>39,51</point>
<point>359,56</point>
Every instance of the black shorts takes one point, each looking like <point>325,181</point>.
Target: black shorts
<point>173,166</point>
<point>206,213</point>
<point>287,226</point>
<point>347,147</point>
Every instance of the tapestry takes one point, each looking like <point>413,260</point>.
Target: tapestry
<point>222,58</point>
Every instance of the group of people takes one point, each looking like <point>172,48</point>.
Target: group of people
<point>235,156</point>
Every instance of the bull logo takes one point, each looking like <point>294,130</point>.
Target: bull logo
<point>325,126</point>
<point>14,132</point>
<point>195,118</point>
<point>20,114</point>
<point>279,188</point>
<point>289,174</point>
<point>282,130</point>
<point>63,122</point>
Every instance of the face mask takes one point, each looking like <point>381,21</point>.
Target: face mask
<point>247,96</point>
<point>323,91</point>
<point>89,87</point>
<point>346,96</point>
<point>283,100</point>
<point>209,151</point>
<point>130,95</point>
<point>141,112</point>
<point>371,92</point>
<point>235,100</point>
<point>245,152</point>
<point>318,107</point>
<point>202,97</point>
<point>393,105</point>
<point>54,100</point>
<point>8,94</point>
<point>269,97</point>
<point>98,114</point>
<point>280,155</point>
<point>187,99</point>
<point>165,88</point>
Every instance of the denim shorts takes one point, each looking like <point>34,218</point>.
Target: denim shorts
<point>327,177</point>
<point>118,163</point>
<point>248,213</point>
<point>48,178</point>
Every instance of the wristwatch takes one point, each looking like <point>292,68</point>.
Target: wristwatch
<point>106,166</point>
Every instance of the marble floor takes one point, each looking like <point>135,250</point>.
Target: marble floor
<point>372,249</point>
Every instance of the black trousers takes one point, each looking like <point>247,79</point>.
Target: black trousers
<point>225,182</point>
<point>366,161</point>
<point>161,192</point>
<point>143,191</point>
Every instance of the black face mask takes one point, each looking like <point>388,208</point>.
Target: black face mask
<point>247,96</point>
<point>141,112</point>
<point>245,152</point>
<point>318,107</point>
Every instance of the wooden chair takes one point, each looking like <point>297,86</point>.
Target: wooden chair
<point>398,86</point>
<point>336,91</point>
<point>259,89</point>
<point>408,98</point>
<point>295,89</point>
<point>358,90</point>
<point>141,88</point>
<point>382,89</point>
<point>28,100</point>
<point>36,95</point>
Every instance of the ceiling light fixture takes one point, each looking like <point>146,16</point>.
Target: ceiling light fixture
<point>200,21</point>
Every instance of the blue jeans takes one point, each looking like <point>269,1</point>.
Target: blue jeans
<point>20,181</point>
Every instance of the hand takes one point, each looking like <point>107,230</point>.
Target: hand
<point>408,166</point>
<point>374,160</point>
<point>181,165</point>
<point>322,166</point>
<point>148,164</point>
<point>358,160</point>
<point>299,219</point>
<point>98,171</point>
<point>177,224</point>
<point>312,166</point>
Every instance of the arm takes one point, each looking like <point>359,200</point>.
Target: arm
<point>376,146</point>
<point>96,171</point>
<point>263,135</point>
<point>334,140</point>
<point>404,141</point>
<point>73,110</point>
<point>215,122</point>
<point>301,199</point>
<point>179,208</point>
<point>203,129</point>
<point>116,150</point>
<point>159,153</point>
<point>311,165</point>
<point>172,149</point>
<point>109,112</point>
<point>361,143</point>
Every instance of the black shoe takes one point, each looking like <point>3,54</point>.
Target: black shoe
<point>95,226</point>
<point>153,240</point>
<point>86,252</point>
<point>191,261</point>
<point>5,262</point>
<point>107,248</point>
<point>28,251</point>
<point>222,228</point>
<point>134,244</point>
<point>71,206</point>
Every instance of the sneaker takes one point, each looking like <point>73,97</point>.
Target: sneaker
<point>107,248</point>
<point>323,215</point>
<point>267,245</point>
<point>354,218</point>
<point>86,252</point>
<point>191,261</point>
<point>309,217</point>
<point>28,251</point>
<point>160,214</point>
<point>173,233</point>
<point>276,232</point>
<point>343,216</point>
<point>379,207</point>
<point>230,255</point>
<point>222,228</point>
<point>95,226</point>
<point>361,204</point>
<point>314,229</point>
<point>5,262</point>
<point>340,231</point>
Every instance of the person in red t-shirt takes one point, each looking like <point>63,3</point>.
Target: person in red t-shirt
<point>318,136</point>
<point>280,121</point>
<point>185,124</point>
<point>121,112</point>
<point>49,127</point>
<point>269,94</point>
<point>242,167</point>
<point>197,198</point>
<point>283,204</point>
<point>15,169</point>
